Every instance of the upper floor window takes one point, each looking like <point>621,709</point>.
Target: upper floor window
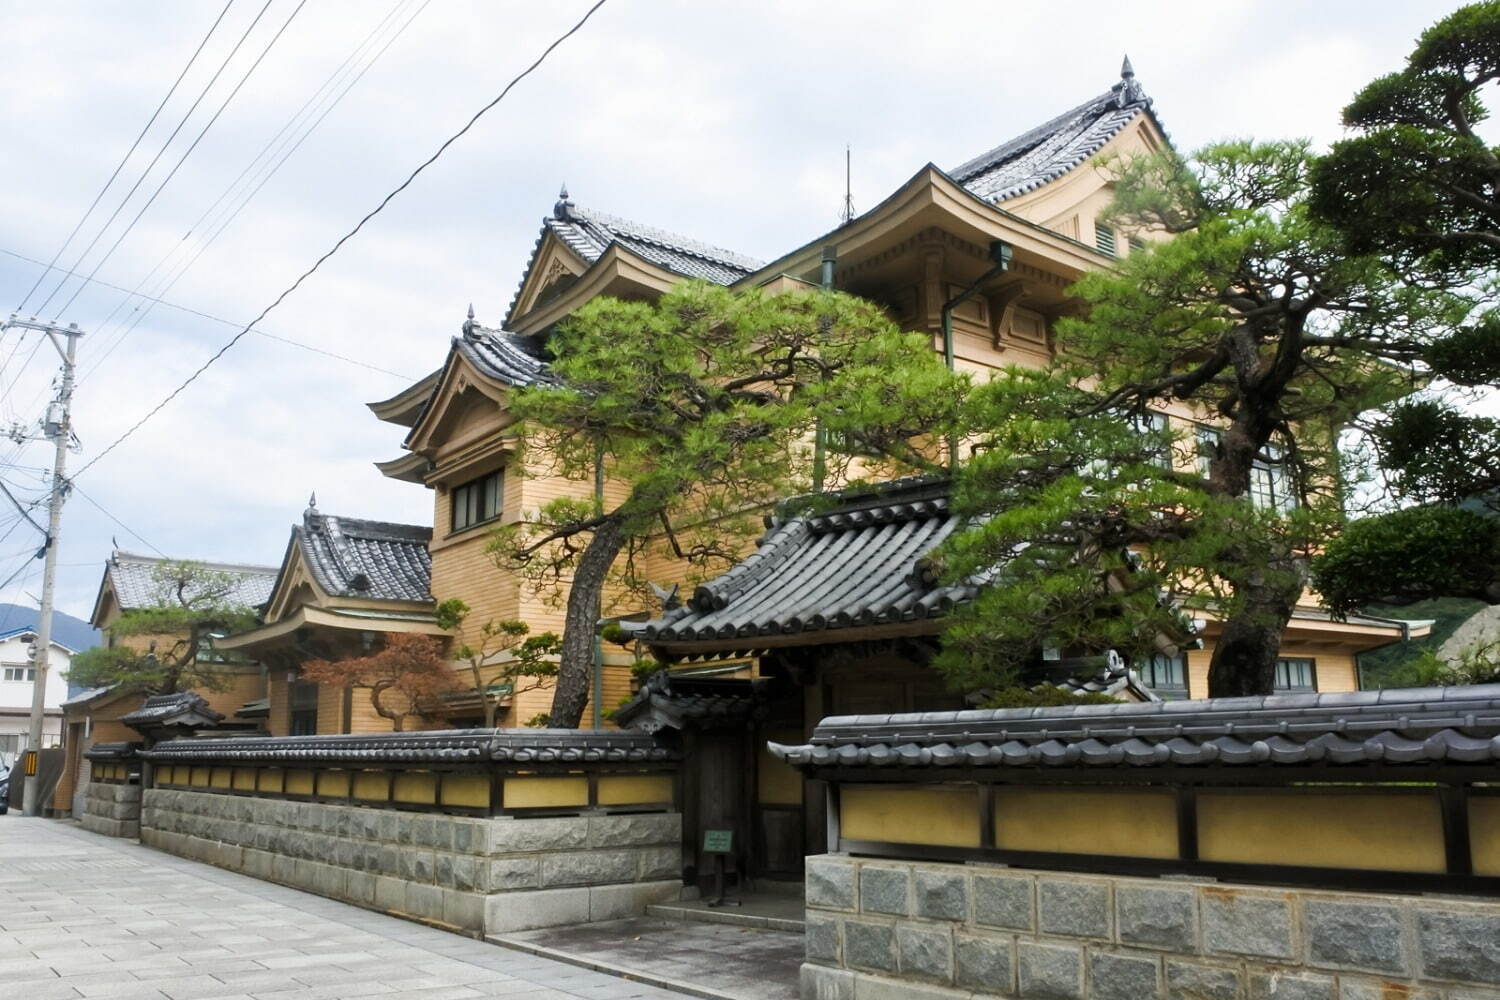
<point>1104,238</point>
<point>1296,674</point>
<point>20,672</point>
<point>1166,675</point>
<point>1270,480</point>
<point>477,501</point>
<point>1153,424</point>
<point>1137,244</point>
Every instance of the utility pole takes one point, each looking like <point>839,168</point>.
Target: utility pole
<point>57,426</point>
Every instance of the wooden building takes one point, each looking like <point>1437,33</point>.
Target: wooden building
<point>130,582</point>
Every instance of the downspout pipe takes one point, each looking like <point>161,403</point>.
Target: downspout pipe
<point>820,434</point>
<point>598,699</point>
<point>1000,253</point>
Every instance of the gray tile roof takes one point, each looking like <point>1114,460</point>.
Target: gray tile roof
<point>857,564</point>
<point>136,586</point>
<point>1115,679</point>
<point>182,708</point>
<point>1455,725</point>
<point>352,557</point>
<point>667,702</point>
<point>1052,149</point>
<point>509,357</point>
<point>521,746</point>
<point>589,234</point>
<point>111,751</point>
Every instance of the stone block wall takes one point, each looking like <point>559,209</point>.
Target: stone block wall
<point>480,874</point>
<point>112,809</point>
<point>940,931</point>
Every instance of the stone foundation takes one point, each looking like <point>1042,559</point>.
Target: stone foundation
<point>482,874</point>
<point>112,809</point>
<point>939,931</point>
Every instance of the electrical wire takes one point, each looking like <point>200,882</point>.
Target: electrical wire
<point>19,509</point>
<point>129,153</point>
<point>226,322</point>
<point>100,507</point>
<point>189,152</point>
<point>159,153</point>
<point>343,239</point>
<point>223,222</point>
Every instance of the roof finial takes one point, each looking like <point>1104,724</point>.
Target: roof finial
<point>469,324</point>
<point>563,210</point>
<point>1129,90</point>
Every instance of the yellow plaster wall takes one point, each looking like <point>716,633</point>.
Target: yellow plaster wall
<point>1484,834</point>
<point>1326,828</point>
<point>1125,822</point>
<point>946,816</point>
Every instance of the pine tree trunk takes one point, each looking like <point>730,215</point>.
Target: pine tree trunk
<point>1244,661</point>
<point>585,598</point>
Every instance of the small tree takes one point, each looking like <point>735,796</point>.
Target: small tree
<point>530,665</point>
<point>412,667</point>
<point>166,646</point>
<point>1409,555</point>
<point>704,404</point>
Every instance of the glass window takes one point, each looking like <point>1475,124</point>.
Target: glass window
<point>1104,238</point>
<point>1137,244</point>
<point>1155,424</point>
<point>303,706</point>
<point>1270,481</point>
<point>476,502</point>
<point>1166,675</point>
<point>1296,674</point>
<point>20,673</point>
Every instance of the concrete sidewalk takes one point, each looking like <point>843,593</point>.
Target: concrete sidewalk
<point>88,916</point>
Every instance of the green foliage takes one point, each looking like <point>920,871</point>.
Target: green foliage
<point>1432,452</point>
<point>1044,696</point>
<point>704,403</point>
<point>500,654</point>
<point>1388,666</point>
<point>1091,527</point>
<point>1410,554</point>
<point>166,645</point>
<point>1417,183</point>
<point>615,633</point>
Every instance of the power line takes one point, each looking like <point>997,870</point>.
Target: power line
<point>100,507</point>
<point>19,509</point>
<point>345,238</point>
<point>129,153</point>
<point>217,319</point>
<point>189,152</point>
<point>159,154</point>
<point>221,224</point>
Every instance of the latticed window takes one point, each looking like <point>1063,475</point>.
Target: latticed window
<point>1271,485</point>
<point>302,708</point>
<point>1155,425</point>
<point>1104,238</point>
<point>1137,244</point>
<point>477,501</point>
<point>1296,674</point>
<point>20,672</point>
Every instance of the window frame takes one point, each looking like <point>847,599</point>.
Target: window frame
<point>26,671</point>
<point>1106,240</point>
<point>1149,672</point>
<point>1286,662</point>
<point>474,510</point>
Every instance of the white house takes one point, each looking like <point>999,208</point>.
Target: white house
<point>16,677</point>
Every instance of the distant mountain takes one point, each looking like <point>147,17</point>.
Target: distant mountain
<point>75,633</point>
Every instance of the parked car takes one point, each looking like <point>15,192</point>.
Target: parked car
<point>4,792</point>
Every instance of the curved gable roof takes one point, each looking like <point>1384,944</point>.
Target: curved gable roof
<point>589,234</point>
<point>1056,147</point>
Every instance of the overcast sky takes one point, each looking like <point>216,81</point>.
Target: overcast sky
<point>722,121</point>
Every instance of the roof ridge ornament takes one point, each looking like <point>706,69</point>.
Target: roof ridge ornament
<point>469,324</point>
<point>563,210</point>
<point>1129,90</point>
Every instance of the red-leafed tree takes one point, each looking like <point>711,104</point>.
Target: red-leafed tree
<point>411,668</point>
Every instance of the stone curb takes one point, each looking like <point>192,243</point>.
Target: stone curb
<point>619,971</point>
